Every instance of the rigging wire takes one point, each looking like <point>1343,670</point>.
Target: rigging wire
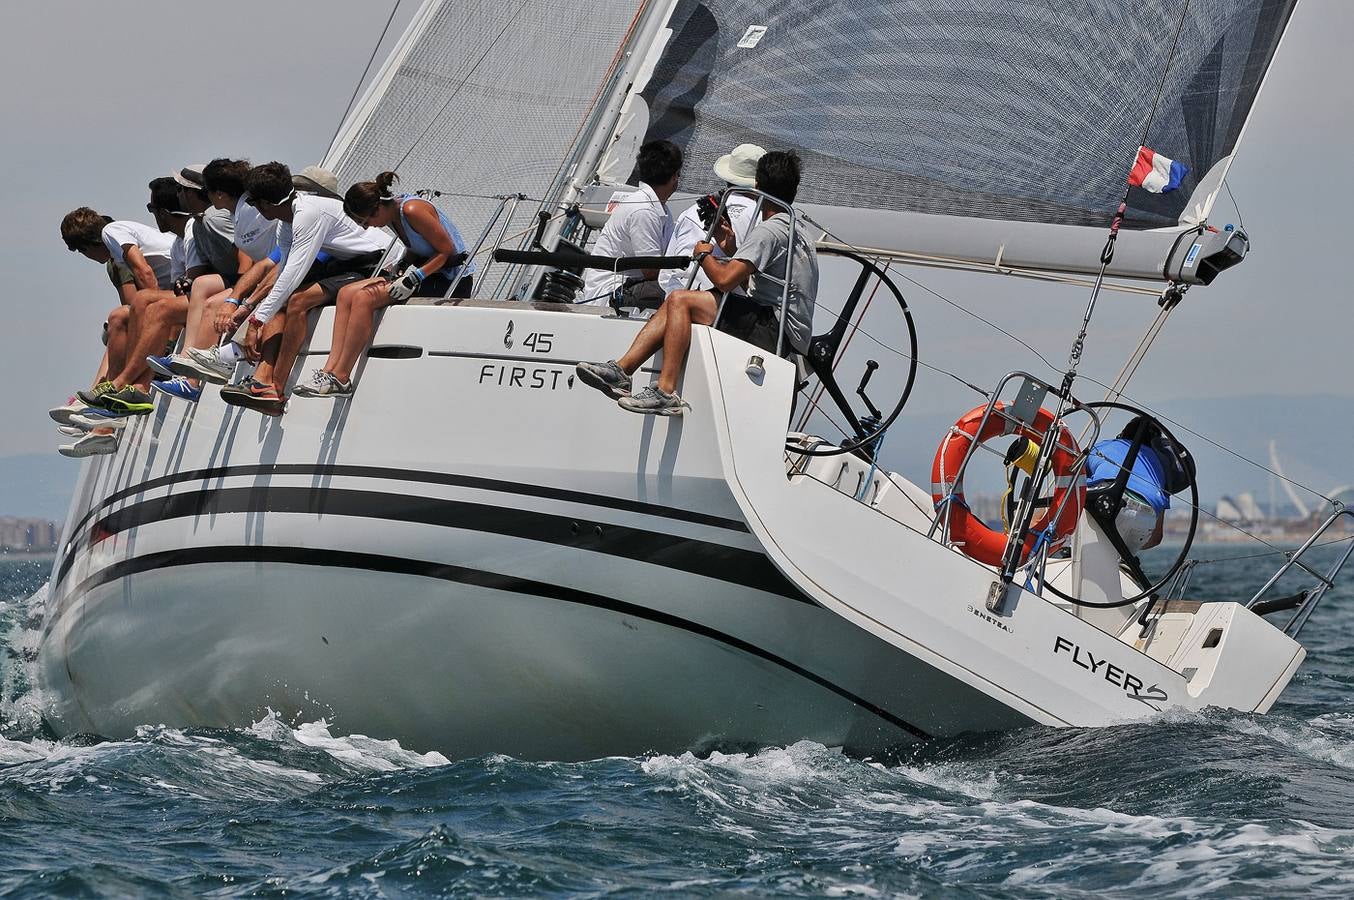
<point>363,77</point>
<point>1161,316</point>
<point>1279,550</point>
<point>1313,491</point>
<point>1240,219</point>
<point>933,292</point>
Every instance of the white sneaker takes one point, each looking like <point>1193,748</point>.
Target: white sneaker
<point>205,364</point>
<point>324,384</point>
<point>90,445</point>
<point>61,415</point>
<point>70,430</point>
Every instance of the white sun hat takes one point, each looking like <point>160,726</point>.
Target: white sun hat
<point>740,165</point>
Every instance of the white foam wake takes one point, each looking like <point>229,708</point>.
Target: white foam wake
<point>363,753</point>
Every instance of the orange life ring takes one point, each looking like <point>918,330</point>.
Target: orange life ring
<point>967,531</point>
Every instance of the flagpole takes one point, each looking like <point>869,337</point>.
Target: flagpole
<point>1015,541</point>
<point>1107,254</point>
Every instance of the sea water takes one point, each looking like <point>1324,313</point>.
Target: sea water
<point>1215,803</point>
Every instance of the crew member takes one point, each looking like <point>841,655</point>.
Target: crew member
<point>431,242</point>
<point>308,225</point>
<point>760,264</point>
<point>640,225</point>
<point>737,168</point>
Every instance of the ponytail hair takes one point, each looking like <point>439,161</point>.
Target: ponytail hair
<point>363,198</point>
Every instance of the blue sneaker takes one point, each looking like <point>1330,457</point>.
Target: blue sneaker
<point>178,386</point>
<point>94,417</point>
<point>160,366</point>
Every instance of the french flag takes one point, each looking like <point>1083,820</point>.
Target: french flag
<point>1154,172</point>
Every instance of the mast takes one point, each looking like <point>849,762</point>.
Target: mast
<point>634,57</point>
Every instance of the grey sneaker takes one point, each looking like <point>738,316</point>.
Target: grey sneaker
<point>61,415</point>
<point>95,395</point>
<point>607,377</point>
<point>654,401</point>
<point>324,384</point>
<point>90,445</point>
<point>129,399</point>
<point>204,364</point>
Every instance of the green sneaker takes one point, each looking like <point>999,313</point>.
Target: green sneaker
<point>130,399</point>
<point>95,395</point>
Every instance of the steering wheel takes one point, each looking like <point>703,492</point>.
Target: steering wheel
<point>822,356</point>
<point>1135,569</point>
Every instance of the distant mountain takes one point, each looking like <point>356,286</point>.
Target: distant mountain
<point>37,485</point>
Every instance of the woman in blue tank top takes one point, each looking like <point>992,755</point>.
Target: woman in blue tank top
<point>431,266</point>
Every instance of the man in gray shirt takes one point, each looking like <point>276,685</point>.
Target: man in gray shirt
<point>754,316</point>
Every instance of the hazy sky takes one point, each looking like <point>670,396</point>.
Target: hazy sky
<point>100,98</point>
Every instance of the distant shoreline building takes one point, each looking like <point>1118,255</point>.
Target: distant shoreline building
<point>28,535</point>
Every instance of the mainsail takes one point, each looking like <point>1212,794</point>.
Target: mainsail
<point>1015,112</point>
<point>481,98</point>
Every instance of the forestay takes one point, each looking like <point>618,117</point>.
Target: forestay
<point>483,98</point>
<point>983,109</point>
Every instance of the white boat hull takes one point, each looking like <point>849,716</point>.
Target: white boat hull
<point>475,555</point>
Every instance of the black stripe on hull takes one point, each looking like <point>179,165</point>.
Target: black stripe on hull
<point>422,477</point>
<point>730,564</point>
<point>478,578</point>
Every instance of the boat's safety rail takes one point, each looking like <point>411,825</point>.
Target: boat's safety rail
<point>1305,602</point>
<point>1020,415</point>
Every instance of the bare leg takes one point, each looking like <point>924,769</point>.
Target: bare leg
<point>119,335</point>
<point>294,332</point>
<point>346,296</point>
<point>363,303</point>
<point>687,308</point>
<point>647,342</point>
<point>205,288</point>
<point>269,340</point>
<point>157,321</point>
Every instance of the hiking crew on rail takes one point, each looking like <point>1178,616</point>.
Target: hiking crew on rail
<point>241,254</point>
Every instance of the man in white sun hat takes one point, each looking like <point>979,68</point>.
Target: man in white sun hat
<point>737,168</point>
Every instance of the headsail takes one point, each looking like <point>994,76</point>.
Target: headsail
<point>482,98</point>
<point>981,109</point>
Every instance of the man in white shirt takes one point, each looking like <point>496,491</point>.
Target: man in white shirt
<point>738,168</point>
<point>640,225</point>
<point>147,252</point>
<point>761,265</point>
<point>308,225</point>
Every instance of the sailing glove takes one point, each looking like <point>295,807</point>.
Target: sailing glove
<point>403,287</point>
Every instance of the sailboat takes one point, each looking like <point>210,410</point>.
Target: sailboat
<point>477,555</point>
